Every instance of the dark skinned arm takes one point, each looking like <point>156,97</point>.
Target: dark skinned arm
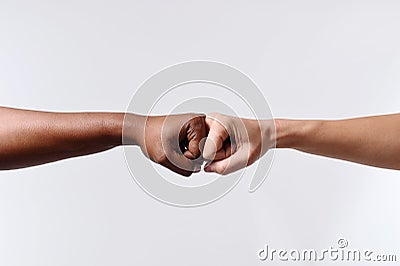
<point>29,138</point>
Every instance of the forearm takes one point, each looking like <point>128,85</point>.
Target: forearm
<point>369,140</point>
<point>30,138</point>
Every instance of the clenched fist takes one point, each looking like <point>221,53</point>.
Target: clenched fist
<point>172,141</point>
<point>234,143</point>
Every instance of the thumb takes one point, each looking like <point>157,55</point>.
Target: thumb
<point>216,136</point>
<point>228,165</point>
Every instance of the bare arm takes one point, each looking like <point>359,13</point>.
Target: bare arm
<point>372,140</point>
<point>30,138</point>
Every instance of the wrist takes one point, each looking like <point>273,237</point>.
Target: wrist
<point>268,134</point>
<point>133,127</point>
<point>295,133</point>
<point>111,127</point>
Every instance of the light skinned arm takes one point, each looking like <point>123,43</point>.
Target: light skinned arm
<point>234,143</point>
<point>29,138</point>
<point>371,140</point>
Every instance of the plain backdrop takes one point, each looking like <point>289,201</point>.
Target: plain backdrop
<point>311,59</point>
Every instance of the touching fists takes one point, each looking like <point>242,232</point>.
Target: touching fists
<point>234,143</point>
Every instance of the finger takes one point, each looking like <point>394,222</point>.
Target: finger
<point>224,152</point>
<point>216,136</point>
<point>189,156</point>
<point>196,131</point>
<point>193,151</point>
<point>228,165</point>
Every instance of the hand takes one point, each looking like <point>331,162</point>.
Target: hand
<point>173,141</point>
<point>234,143</point>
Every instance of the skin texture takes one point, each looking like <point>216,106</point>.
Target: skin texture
<point>373,141</point>
<point>174,141</point>
<point>234,143</point>
<point>29,138</point>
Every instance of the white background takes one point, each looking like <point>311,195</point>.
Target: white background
<point>312,59</point>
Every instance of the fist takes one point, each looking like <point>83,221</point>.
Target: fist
<point>234,143</point>
<point>173,141</point>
